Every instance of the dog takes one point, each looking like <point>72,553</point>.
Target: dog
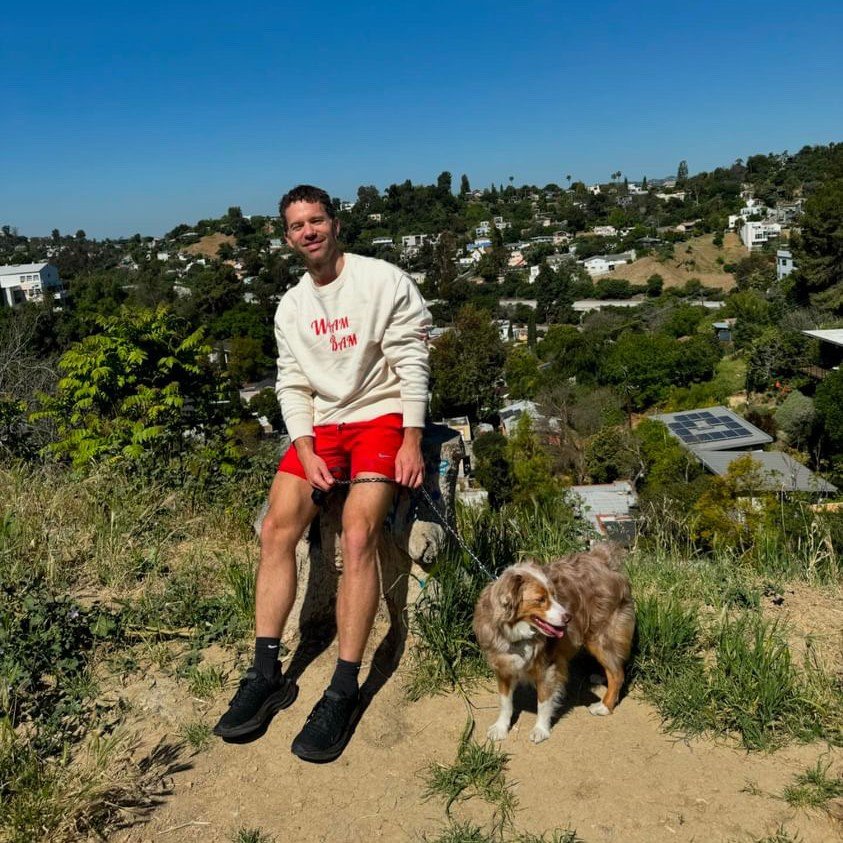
<point>533,619</point>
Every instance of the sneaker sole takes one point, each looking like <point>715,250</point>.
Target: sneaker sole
<point>331,753</point>
<point>274,703</point>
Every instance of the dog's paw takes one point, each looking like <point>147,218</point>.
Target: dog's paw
<point>497,732</point>
<point>598,709</point>
<point>539,734</point>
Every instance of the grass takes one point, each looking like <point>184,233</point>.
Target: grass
<point>815,787</point>
<point>478,770</point>
<point>251,835</point>
<point>467,832</point>
<point>206,682</point>
<point>105,573</point>
<point>197,734</point>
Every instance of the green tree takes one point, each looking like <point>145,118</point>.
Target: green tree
<point>534,483</point>
<point>522,373</point>
<point>828,402</point>
<point>611,454</point>
<point>141,387</point>
<point>682,172</point>
<point>818,251</point>
<point>655,285</point>
<point>467,366</point>
<point>265,404</point>
<point>465,187</point>
<point>492,468</point>
<point>796,417</point>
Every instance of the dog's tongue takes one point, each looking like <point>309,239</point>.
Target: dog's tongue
<point>548,629</point>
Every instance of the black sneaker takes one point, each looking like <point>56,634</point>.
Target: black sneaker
<point>327,729</point>
<point>256,700</point>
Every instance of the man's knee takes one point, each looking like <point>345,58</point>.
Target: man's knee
<point>279,532</point>
<point>359,542</point>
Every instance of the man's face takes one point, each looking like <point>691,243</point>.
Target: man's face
<point>311,232</point>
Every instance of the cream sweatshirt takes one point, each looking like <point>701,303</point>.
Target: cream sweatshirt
<point>352,350</point>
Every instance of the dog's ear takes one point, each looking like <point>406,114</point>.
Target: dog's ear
<point>510,591</point>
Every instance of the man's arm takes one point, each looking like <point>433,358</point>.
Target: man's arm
<point>295,395</point>
<point>405,347</point>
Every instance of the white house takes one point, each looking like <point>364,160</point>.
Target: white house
<point>483,229</point>
<point>601,264</point>
<point>784,263</point>
<point>755,234</point>
<point>753,208</point>
<point>29,282</point>
<point>604,231</point>
<point>382,241</point>
<point>413,242</point>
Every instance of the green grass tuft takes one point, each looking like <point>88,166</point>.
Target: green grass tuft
<point>814,787</point>
<point>479,770</point>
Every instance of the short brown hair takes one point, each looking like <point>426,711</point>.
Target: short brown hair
<point>305,193</point>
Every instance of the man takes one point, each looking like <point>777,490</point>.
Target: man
<point>352,382</point>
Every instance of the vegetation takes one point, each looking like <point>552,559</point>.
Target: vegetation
<point>130,467</point>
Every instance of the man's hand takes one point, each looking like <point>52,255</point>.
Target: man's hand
<point>409,463</point>
<point>315,468</point>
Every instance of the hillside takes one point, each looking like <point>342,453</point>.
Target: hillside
<point>696,258</point>
<point>209,244</point>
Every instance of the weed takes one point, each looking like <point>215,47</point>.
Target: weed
<point>206,682</point>
<point>814,787</point>
<point>251,835</point>
<point>197,734</point>
<point>780,835</point>
<point>478,770</point>
<point>466,832</point>
<point>567,835</point>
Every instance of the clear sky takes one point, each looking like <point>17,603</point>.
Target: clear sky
<point>132,117</point>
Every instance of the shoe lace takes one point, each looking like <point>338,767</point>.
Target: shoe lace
<point>251,688</point>
<point>329,715</point>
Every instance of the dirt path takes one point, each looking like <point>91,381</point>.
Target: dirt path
<point>616,778</point>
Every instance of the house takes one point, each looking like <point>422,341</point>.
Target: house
<point>717,437</point>
<point>609,508</point>
<point>784,263</point>
<point>787,212</point>
<point>604,231</point>
<point>723,330</point>
<point>509,415</point>
<point>382,241</point>
<point>753,208</point>
<point>375,217</point>
<point>29,282</point>
<point>666,197</point>
<point>483,229</point>
<point>780,472</point>
<point>755,234</point>
<point>516,260</point>
<point>601,264</point>
<point>275,244</point>
<point>688,226</point>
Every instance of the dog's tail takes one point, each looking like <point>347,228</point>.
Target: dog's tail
<point>610,553</point>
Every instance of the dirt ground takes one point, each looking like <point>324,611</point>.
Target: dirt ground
<point>618,778</point>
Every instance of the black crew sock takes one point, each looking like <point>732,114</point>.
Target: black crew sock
<point>266,656</point>
<point>344,680</point>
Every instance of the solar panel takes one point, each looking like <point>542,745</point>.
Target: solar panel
<point>717,428</point>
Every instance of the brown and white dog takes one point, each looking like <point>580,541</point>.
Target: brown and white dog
<point>532,620</point>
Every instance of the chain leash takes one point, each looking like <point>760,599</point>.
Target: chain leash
<point>319,498</point>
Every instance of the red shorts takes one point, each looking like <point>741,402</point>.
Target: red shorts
<point>351,448</point>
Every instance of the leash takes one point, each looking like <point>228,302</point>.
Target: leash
<point>320,496</point>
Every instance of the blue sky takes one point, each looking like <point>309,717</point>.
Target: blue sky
<point>123,117</point>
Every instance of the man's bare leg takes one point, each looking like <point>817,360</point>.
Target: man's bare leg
<point>264,690</point>
<point>290,512</point>
<point>359,589</point>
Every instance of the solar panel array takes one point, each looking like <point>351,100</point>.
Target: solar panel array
<point>703,426</point>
